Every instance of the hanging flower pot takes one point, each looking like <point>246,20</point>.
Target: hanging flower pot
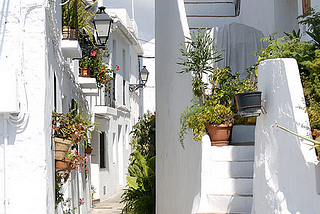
<point>219,134</point>
<point>63,167</point>
<point>88,151</point>
<point>61,147</point>
<point>249,104</point>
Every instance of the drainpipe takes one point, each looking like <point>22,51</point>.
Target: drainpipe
<point>5,143</point>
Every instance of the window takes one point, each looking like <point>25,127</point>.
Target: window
<point>102,150</point>
<point>110,95</point>
<point>124,92</point>
<point>306,4</point>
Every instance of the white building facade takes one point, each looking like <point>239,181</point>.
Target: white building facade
<point>179,170</point>
<point>38,76</point>
<point>116,110</point>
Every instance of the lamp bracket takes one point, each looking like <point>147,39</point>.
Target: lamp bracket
<point>134,87</point>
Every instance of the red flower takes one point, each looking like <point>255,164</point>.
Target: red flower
<point>117,67</point>
<point>93,53</point>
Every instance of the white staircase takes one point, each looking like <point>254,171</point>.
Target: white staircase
<point>227,173</point>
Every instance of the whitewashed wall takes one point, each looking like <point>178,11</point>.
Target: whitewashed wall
<point>149,92</point>
<point>266,16</point>
<point>286,172</point>
<point>29,46</point>
<point>178,169</point>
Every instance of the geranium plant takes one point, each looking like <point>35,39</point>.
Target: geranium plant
<point>77,161</point>
<point>72,126</point>
<point>100,69</point>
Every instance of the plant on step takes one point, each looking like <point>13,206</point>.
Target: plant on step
<point>218,107</point>
<point>198,57</point>
<point>140,195</point>
<point>249,83</point>
<point>198,116</point>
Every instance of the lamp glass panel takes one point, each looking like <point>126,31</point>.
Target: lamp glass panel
<point>102,28</point>
<point>144,76</point>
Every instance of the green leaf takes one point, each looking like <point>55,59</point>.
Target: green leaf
<point>132,182</point>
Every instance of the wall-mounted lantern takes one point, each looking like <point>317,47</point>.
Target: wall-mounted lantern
<point>143,76</point>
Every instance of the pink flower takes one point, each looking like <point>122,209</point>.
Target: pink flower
<point>86,159</point>
<point>93,53</point>
<point>81,201</point>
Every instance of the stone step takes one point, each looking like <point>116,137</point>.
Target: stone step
<point>229,169</point>
<point>230,203</point>
<point>242,133</point>
<point>232,153</point>
<point>240,186</point>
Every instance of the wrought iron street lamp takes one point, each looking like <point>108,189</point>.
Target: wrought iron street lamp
<point>102,23</point>
<point>143,77</point>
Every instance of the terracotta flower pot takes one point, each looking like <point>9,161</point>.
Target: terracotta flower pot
<point>219,134</point>
<point>63,167</point>
<point>68,33</point>
<point>86,72</point>
<point>61,147</point>
<point>88,151</point>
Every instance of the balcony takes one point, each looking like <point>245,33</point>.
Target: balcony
<point>76,20</point>
<point>88,83</point>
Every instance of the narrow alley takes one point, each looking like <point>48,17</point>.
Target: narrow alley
<point>110,206</point>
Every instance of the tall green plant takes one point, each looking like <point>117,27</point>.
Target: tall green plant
<point>144,135</point>
<point>198,55</point>
<point>139,197</point>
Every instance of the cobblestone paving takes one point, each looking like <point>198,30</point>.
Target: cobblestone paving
<point>110,206</point>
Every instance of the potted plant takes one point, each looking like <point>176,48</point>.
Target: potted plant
<point>86,65</point>
<point>217,114</point>
<point>88,149</point>
<point>210,110</point>
<point>69,129</point>
<point>219,120</point>
<point>248,99</point>
<point>62,125</point>
<point>83,19</point>
<point>94,66</point>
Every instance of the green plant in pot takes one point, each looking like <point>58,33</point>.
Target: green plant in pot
<point>216,108</point>
<point>84,18</point>
<point>247,98</point>
<point>97,67</point>
<point>199,54</point>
